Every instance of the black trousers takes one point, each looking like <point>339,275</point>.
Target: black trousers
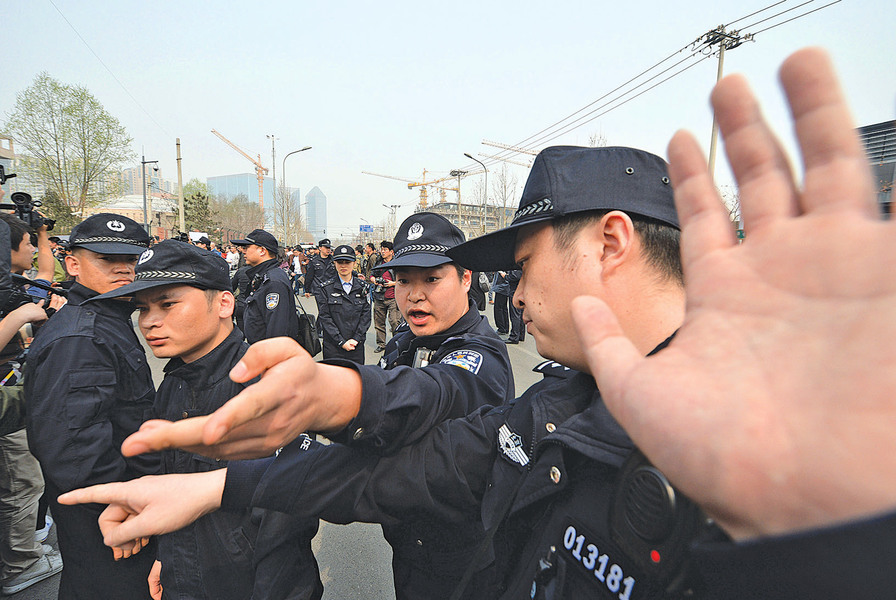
<point>517,329</point>
<point>502,317</point>
<point>333,350</point>
<point>90,571</point>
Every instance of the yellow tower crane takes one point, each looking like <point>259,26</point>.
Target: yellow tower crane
<point>259,170</point>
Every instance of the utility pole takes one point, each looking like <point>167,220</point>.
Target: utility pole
<point>273,167</point>
<point>143,164</point>
<point>458,173</point>
<point>180,191</point>
<point>392,208</point>
<point>725,40</point>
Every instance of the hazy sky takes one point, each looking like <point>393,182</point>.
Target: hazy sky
<point>396,87</point>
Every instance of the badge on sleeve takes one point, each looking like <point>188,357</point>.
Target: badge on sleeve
<point>510,444</point>
<point>272,300</point>
<point>465,359</point>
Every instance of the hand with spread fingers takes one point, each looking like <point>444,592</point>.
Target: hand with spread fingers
<point>295,394</point>
<point>773,406</point>
<point>150,505</point>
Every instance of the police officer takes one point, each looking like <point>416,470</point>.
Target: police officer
<point>182,293</point>
<point>270,304</point>
<point>344,310</point>
<point>320,268</point>
<point>88,386</point>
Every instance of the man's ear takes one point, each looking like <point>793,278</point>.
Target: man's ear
<point>72,265</point>
<point>467,280</point>
<point>226,303</point>
<point>617,235</point>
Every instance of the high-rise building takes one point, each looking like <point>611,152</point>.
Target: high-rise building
<point>245,184</point>
<point>316,213</point>
<point>156,184</point>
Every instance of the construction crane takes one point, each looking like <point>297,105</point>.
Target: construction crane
<point>259,170</point>
<point>528,165</point>
<point>423,185</point>
<point>516,149</point>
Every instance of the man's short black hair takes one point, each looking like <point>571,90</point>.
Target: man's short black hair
<point>17,230</point>
<point>386,244</point>
<point>662,242</point>
<point>371,246</point>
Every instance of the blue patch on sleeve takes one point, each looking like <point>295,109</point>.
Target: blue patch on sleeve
<point>465,359</point>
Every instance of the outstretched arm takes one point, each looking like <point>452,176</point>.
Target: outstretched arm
<point>151,505</point>
<point>773,406</point>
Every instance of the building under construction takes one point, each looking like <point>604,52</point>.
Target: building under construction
<point>880,147</point>
<point>474,219</point>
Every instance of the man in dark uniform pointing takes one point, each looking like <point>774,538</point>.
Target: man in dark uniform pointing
<point>270,305</point>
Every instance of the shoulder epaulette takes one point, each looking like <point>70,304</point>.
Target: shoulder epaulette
<point>550,368</point>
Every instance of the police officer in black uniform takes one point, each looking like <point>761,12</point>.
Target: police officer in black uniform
<point>88,386</point>
<point>545,473</point>
<point>270,306</point>
<point>444,339</point>
<point>344,310</point>
<point>320,269</point>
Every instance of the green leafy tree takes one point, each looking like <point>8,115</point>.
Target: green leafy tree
<point>54,207</point>
<point>197,213</point>
<point>78,145</point>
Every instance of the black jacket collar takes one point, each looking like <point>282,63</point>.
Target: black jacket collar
<point>262,268</point>
<point>79,294</point>
<point>212,367</point>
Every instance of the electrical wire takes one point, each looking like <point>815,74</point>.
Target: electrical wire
<point>727,25</point>
<point>777,14</point>
<point>527,141</point>
<point>755,33</point>
<point>126,91</point>
<point>579,122</point>
<point>627,100</point>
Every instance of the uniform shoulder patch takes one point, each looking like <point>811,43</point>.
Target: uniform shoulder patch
<point>272,300</point>
<point>465,359</point>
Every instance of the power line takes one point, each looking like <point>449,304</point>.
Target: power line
<point>567,128</point>
<point>778,14</point>
<point>727,25</point>
<point>626,101</point>
<point>108,69</point>
<point>641,74</point>
<point>796,17</point>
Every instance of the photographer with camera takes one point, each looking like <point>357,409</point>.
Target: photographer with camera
<point>384,297</point>
<point>25,560</point>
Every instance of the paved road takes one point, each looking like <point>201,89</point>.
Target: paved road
<point>355,561</point>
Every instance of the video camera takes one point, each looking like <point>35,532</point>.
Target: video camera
<point>24,206</point>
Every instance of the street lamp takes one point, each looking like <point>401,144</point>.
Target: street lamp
<point>283,176</point>
<point>143,164</point>
<point>485,196</point>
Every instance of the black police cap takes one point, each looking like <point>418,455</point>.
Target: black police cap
<point>344,253</point>
<point>324,242</point>
<point>108,233</point>
<point>259,237</point>
<point>568,179</point>
<point>422,241</point>
<point>175,262</point>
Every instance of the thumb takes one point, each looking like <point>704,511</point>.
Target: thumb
<point>263,355</point>
<point>610,354</point>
